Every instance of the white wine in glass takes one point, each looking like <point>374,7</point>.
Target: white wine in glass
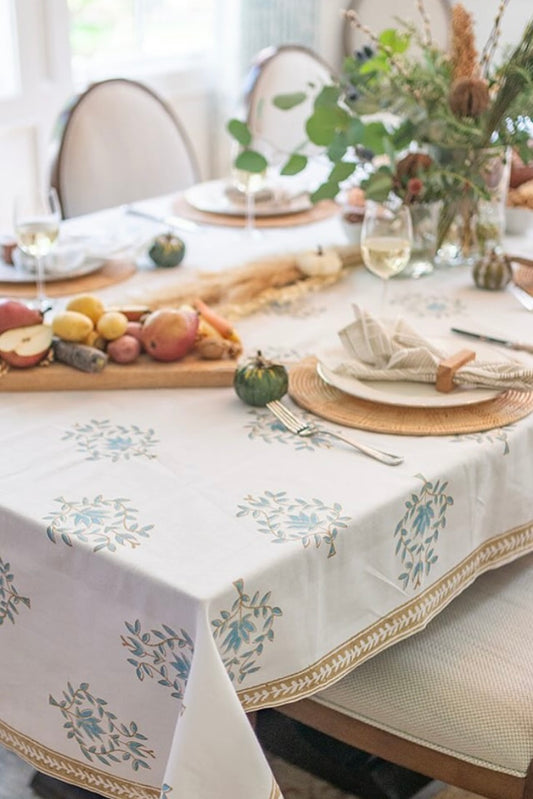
<point>386,241</point>
<point>36,221</point>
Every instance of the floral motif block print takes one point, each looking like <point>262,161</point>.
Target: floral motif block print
<point>417,532</point>
<point>287,520</point>
<point>490,436</point>
<point>165,791</point>
<point>10,598</point>
<point>263,425</point>
<point>107,523</point>
<point>102,439</point>
<point>97,731</point>
<point>421,304</point>
<point>244,630</point>
<point>163,654</point>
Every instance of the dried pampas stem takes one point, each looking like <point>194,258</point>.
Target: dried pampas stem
<point>426,22</point>
<point>494,36</point>
<point>463,49</point>
<point>240,291</point>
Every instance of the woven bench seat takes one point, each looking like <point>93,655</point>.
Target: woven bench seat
<point>455,701</point>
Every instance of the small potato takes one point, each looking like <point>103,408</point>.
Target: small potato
<point>124,349</point>
<point>134,329</point>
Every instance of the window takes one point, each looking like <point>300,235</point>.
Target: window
<point>106,36</point>
<point>9,76</point>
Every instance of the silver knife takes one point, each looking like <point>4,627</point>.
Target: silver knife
<point>512,345</point>
<point>175,222</point>
<point>522,296</point>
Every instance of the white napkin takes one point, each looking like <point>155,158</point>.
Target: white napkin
<point>394,351</point>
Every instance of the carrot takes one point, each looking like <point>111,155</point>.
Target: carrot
<point>218,322</point>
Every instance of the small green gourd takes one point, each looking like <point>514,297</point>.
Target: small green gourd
<point>492,271</point>
<point>167,250</point>
<point>259,381</point>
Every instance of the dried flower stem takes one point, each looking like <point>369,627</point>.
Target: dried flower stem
<point>426,22</point>
<point>353,19</point>
<point>492,41</point>
<point>464,53</point>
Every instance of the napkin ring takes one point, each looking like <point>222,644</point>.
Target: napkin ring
<point>447,368</point>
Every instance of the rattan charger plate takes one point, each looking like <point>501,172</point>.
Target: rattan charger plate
<point>310,392</point>
<point>111,272</point>
<point>318,212</point>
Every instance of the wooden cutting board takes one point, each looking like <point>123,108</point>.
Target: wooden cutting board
<point>143,373</point>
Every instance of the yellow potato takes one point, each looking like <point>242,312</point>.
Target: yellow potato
<point>112,325</point>
<point>71,326</point>
<point>88,304</point>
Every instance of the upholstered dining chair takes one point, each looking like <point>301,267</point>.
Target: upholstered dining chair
<point>453,702</point>
<point>282,70</point>
<point>386,13</point>
<point>116,143</point>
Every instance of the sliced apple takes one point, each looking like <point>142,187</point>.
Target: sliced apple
<point>23,347</point>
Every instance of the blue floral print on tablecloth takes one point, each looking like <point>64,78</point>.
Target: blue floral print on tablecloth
<point>436,305</point>
<point>417,532</point>
<point>244,630</point>
<point>264,426</point>
<point>106,523</point>
<point>495,436</point>
<point>161,654</point>
<point>99,439</point>
<point>10,599</point>
<point>288,520</point>
<point>97,731</point>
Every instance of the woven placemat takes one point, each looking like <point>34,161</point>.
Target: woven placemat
<point>316,213</point>
<point>110,273</point>
<point>310,392</point>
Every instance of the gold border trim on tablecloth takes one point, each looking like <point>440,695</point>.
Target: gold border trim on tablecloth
<point>397,625</point>
<point>404,621</point>
<point>69,770</point>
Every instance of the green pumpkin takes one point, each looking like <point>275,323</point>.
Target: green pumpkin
<point>259,381</point>
<point>167,250</point>
<point>492,271</point>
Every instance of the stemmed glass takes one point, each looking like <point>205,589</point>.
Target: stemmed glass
<point>36,221</point>
<point>250,185</point>
<point>386,241</point>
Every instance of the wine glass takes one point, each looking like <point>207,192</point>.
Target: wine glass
<point>386,241</point>
<point>36,222</point>
<point>250,186</point>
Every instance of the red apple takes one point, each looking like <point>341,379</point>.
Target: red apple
<point>25,346</point>
<point>16,314</point>
<point>169,333</point>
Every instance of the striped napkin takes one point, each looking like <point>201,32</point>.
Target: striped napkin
<point>394,351</point>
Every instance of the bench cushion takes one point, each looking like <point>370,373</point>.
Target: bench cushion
<point>464,685</point>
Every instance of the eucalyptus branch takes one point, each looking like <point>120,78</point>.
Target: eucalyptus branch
<point>353,19</point>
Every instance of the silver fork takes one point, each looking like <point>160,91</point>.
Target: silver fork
<point>301,428</point>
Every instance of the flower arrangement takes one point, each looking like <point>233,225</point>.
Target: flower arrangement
<point>452,108</point>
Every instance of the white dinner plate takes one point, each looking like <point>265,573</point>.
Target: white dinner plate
<point>407,393</point>
<point>211,198</point>
<point>11,274</point>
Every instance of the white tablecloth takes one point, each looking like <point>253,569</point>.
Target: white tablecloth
<point>170,559</point>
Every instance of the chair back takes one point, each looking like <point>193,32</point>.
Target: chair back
<point>282,70</point>
<point>116,143</point>
<point>386,13</point>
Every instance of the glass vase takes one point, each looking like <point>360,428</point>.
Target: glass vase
<point>474,224</point>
